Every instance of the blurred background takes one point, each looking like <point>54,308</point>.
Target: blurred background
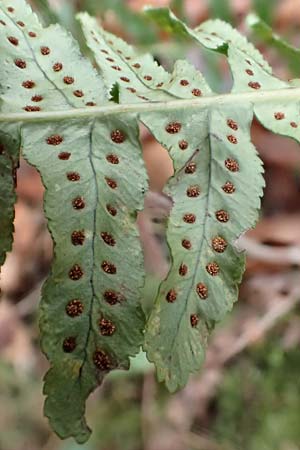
<point>247,395</point>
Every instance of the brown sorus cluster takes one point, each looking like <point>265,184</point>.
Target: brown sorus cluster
<point>171,296</point>
<point>232,124</point>
<point>173,127</point>
<point>102,361</point>
<point>69,344</point>
<point>78,237</point>
<point>213,268</point>
<point>55,139</point>
<point>189,218</point>
<point>108,239</point>
<point>228,187</point>
<point>194,320</point>
<point>108,267</point>
<point>113,297</point>
<point>75,272</point>
<point>118,136</point>
<point>106,326</point>
<point>78,203</point>
<point>202,290</point>
<point>222,216</point>
<point>74,308</point>
<point>219,244</point>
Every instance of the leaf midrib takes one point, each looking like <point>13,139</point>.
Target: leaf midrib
<point>290,94</point>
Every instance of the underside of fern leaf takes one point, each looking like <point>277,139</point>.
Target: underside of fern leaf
<point>87,151</point>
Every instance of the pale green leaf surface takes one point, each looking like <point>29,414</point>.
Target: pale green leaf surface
<point>74,375</point>
<point>129,69</point>
<point>171,341</point>
<point>213,34</point>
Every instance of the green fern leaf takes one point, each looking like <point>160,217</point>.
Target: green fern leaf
<point>216,190</point>
<point>9,160</point>
<point>91,319</point>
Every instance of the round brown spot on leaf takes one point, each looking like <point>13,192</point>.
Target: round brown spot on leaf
<point>232,124</point>
<point>219,244</point>
<point>173,127</point>
<point>102,361</point>
<point>69,344</point>
<point>279,115</point>
<point>193,191</point>
<point>254,85</point>
<point>147,77</point>
<point>37,98</point>
<point>228,187</point>
<point>293,124</point>
<point>171,296</point>
<point>113,159</point>
<point>20,23</point>
<point>118,136</point>
<point>55,139</point>
<point>110,60</point>
<point>108,239</point>
<point>184,82</point>
<point>78,203</point>
<point>190,168</point>
<point>104,51</point>
<point>186,244</point>
<point>109,268</point>
<point>76,272</point>
<point>45,50</point>
<point>130,89</point>
<point>78,237</point>
<point>10,9</point>
<point>111,183</point>
<point>189,218</point>
<point>159,85</point>
<point>125,79</point>
<point>73,176</point>
<point>183,145</point>
<point>111,210</point>
<point>68,80</point>
<point>222,216</point>
<point>74,308</point>
<point>196,92</point>
<point>183,269</point>
<point>202,291</point>
<point>32,34</point>
<point>113,297</point>
<point>57,67</point>
<point>90,104</point>
<point>78,93</point>
<point>106,326</point>
<point>249,72</point>
<point>116,68</point>
<point>20,63</point>
<point>232,165</point>
<point>136,66</point>
<point>232,139</point>
<point>13,40</point>
<point>28,84</point>
<point>194,320</point>
<point>30,108</point>
<point>212,268</point>
<point>64,156</point>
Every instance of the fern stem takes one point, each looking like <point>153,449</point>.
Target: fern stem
<point>282,95</point>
